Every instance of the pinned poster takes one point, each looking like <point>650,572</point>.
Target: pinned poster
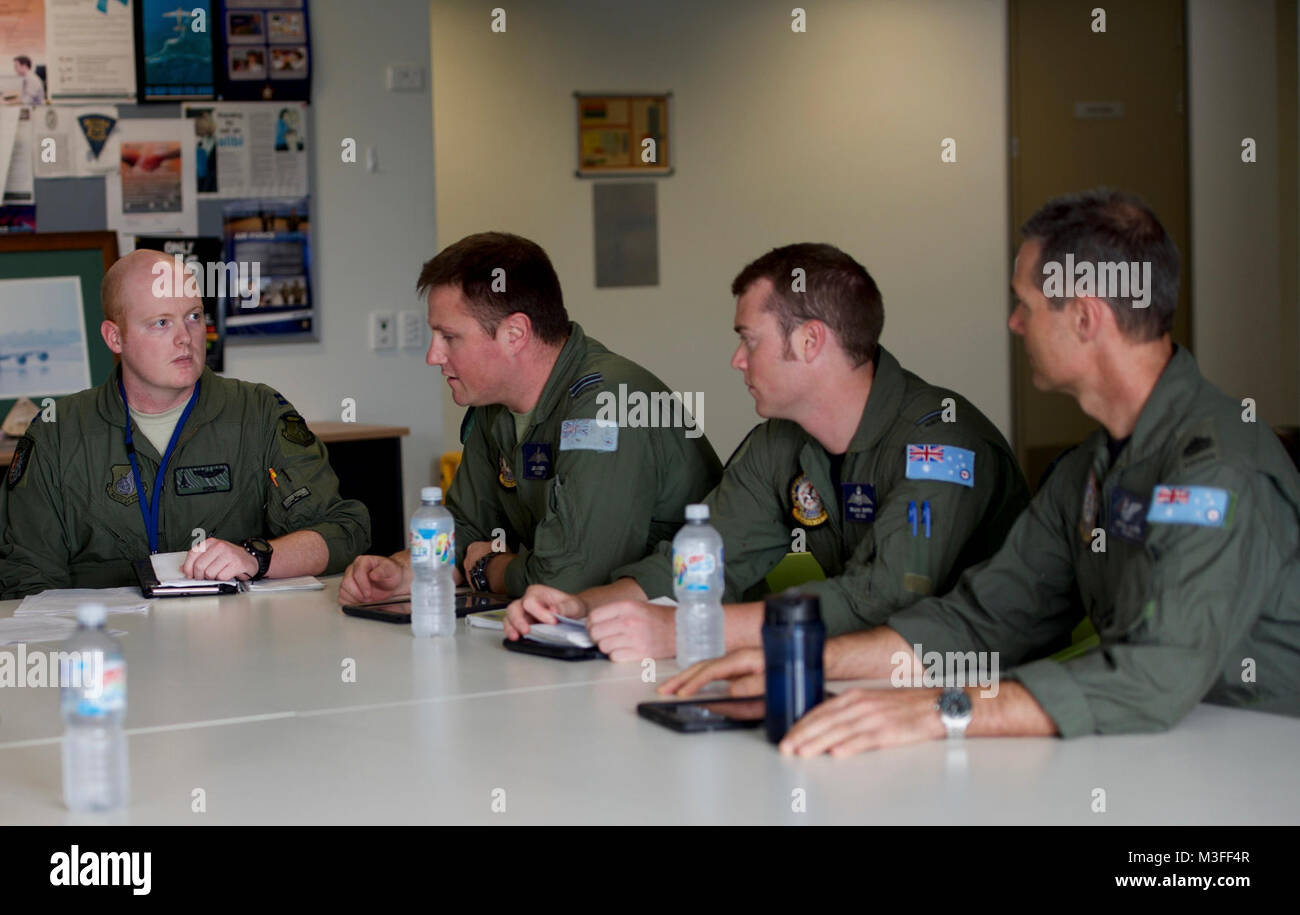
<point>22,52</point>
<point>273,238</point>
<point>249,149</point>
<point>76,142</point>
<point>265,51</point>
<point>176,50</point>
<point>89,49</point>
<point>152,190</point>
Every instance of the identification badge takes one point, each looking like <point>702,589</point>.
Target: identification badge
<point>1206,506</point>
<point>588,435</point>
<point>941,463</point>
<point>537,460</point>
<point>1128,514</point>
<point>859,502</point>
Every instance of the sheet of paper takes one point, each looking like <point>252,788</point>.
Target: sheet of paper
<point>20,188</point>
<point>303,583</point>
<point>65,601</point>
<point>152,190</point>
<point>76,141</point>
<point>250,149</point>
<point>8,134</point>
<point>90,49</point>
<point>167,566</point>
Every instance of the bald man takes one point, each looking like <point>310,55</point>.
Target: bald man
<point>166,456</point>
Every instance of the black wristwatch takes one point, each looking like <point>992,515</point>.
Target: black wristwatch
<point>261,551</point>
<point>478,579</point>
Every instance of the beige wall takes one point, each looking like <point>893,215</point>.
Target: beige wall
<point>832,135</point>
<point>1245,332</point>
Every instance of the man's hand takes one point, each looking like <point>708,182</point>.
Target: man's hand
<point>476,551</point>
<point>219,560</point>
<point>866,719</point>
<point>629,630</point>
<point>541,604</point>
<point>744,668</point>
<point>371,578</point>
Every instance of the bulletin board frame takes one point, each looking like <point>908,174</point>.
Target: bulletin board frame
<point>610,130</point>
<point>87,255</point>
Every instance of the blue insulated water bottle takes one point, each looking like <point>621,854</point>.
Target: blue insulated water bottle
<point>794,637</point>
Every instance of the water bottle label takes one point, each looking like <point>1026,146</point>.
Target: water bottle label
<point>100,683</point>
<point>430,545</point>
<point>693,571</point>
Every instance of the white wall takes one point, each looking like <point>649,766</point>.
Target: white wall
<point>370,232</point>
<point>833,135</point>
<point>1236,306</point>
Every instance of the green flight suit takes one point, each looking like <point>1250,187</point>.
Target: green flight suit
<point>70,516</point>
<point>777,487</point>
<point>574,498</point>
<point>1194,589</point>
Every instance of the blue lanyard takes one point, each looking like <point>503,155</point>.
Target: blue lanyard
<point>149,509</point>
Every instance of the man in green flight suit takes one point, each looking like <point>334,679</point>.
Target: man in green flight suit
<point>892,484</point>
<point>547,488</point>
<point>1175,527</point>
<point>208,465</point>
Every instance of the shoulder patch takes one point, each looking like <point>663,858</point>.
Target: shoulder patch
<point>466,425</point>
<point>293,429</point>
<point>1206,506</point>
<point>18,463</point>
<point>941,463</point>
<point>279,399</point>
<point>588,435</point>
<point>585,382</point>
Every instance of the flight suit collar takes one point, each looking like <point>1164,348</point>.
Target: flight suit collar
<point>557,384</point>
<point>211,402</point>
<point>883,403</point>
<point>1165,412</point>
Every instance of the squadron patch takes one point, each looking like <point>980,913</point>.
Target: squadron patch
<point>505,476</point>
<point>122,487</point>
<point>293,429</point>
<point>1088,510</point>
<point>18,463</point>
<point>805,502</point>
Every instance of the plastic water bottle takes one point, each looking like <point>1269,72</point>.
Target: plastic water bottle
<point>433,556</point>
<point>92,694</point>
<point>698,584</point>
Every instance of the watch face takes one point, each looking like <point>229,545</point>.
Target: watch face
<point>954,703</point>
<point>259,544</point>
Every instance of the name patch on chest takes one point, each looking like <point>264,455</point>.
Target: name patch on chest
<point>859,502</point>
<point>202,478</point>
<point>1128,516</point>
<point>537,460</point>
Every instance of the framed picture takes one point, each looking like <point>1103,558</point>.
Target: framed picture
<point>623,134</point>
<point>50,314</point>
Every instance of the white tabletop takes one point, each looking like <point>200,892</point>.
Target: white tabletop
<point>243,697</point>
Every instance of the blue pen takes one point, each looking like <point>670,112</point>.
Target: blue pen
<point>911,516</point>
<point>925,512</point>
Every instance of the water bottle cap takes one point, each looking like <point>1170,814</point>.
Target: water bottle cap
<point>697,512</point>
<point>431,494</point>
<point>791,607</point>
<point>91,614</point>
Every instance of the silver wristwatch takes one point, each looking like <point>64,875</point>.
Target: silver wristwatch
<point>954,710</point>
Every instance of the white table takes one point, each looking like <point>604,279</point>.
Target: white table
<point>243,697</point>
